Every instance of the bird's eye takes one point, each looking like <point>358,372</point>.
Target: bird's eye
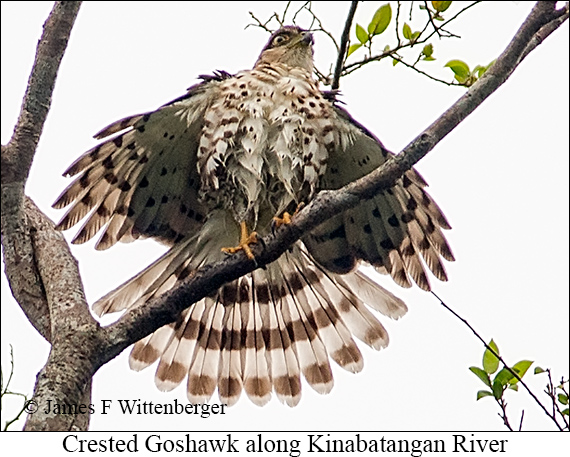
<point>279,39</point>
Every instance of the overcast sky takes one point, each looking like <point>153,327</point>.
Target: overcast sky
<point>501,178</point>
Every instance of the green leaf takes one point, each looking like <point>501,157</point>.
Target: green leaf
<point>461,70</point>
<point>381,20</point>
<point>497,390</point>
<point>353,47</point>
<point>565,412</point>
<point>483,393</point>
<point>361,34</point>
<point>461,80</point>
<point>407,31</point>
<point>395,62</point>
<point>481,375</point>
<point>386,49</point>
<point>490,361</point>
<point>514,387</point>
<point>522,367</point>
<point>428,59</point>
<point>504,377</point>
<point>481,69</point>
<point>440,7</point>
<point>427,50</point>
<point>415,36</point>
<point>563,399</point>
<point>538,370</point>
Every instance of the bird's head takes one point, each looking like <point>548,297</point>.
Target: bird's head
<point>290,45</point>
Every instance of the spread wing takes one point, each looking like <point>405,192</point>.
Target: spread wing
<point>143,180</point>
<point>399,231</point>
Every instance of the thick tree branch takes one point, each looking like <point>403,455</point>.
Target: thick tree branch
<point>42,273</point>
<point>19,152</point>
<point>545,31</point>
<point>19,260</point>
<point>16,159</point>
<point>66,377</point>
<point>163,310</point>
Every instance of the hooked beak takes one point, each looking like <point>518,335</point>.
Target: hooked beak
<point>307,38</point>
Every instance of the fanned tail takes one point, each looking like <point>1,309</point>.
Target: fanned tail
<point>259,333</point>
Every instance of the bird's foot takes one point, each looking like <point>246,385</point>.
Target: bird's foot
<point>286,218</point>
<point>279,221</point>
<point>245,240</point>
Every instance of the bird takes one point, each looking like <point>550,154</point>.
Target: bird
<point>210,171</point>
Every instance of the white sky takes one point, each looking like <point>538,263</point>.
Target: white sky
<point>501,178</point>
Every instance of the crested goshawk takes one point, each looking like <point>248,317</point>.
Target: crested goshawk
<point>204,171</point>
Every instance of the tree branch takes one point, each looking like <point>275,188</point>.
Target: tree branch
<point>343,46</point>
<point>42,273</point>
<point>16,159</point>
<point>413,67</point>
<point>546,30</point>
<point>19,152</point>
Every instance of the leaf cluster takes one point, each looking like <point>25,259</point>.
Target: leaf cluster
<point>464,75</point>
<point>378,25</point>
<point>407,37</point>
<point>509,378</point>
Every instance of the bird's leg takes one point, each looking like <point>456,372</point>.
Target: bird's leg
<point>286,218</point>
<point>245,240</point>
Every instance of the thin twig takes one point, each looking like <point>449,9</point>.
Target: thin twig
<point>503,414</point>
<point>262,25</point>
<point>398,24</point>
<point>322,29</point>
<point>284,14</point>
<point>343,46</point>
<point>551,391</point>
<point>435,27</point>
<point>294,19</point>
<point>5,391</point>
<point>552,394</point>
<point>22,411</point>
<point>441,32</point>
<point>452,19</point>
<point>413,67</point>
<point>521,422</point>
<point>5,387</point>
<point>315,19</point>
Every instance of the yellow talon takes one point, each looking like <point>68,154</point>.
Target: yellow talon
<point>245,240</point>
<point>286,218</point>
<point>279,221</point>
